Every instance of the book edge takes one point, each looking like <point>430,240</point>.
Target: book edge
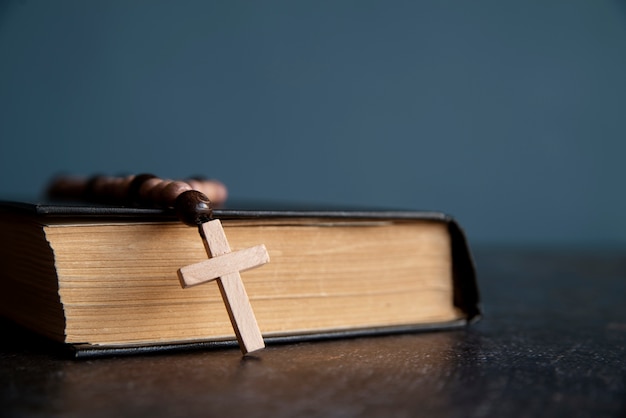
<point>80,351</point>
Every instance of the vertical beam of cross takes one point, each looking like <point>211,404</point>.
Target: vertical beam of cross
<point>224,266</point>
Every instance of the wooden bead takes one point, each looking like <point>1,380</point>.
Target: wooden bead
<point>122,187</point>
<point>156,193</point>
<point>67,187</point>
<point>132,195</point>
<point>106,189</point>
<point>220,191</point>
<point>193,207</point>
<point>171,192</point>
<point>110,187</point>
<point>95,188</point>
<point>213,189</point>
<point>146,189</point>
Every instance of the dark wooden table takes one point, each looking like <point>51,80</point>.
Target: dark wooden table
<point>552,343</point>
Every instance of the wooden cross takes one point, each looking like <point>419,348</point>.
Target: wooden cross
<point>225,266</point>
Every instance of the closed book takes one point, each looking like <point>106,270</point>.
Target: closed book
<point>103,279</point>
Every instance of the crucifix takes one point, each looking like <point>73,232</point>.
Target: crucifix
<point>224,266</point>
<point>190,200</point>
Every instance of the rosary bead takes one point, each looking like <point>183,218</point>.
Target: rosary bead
<point>122,185</point>
<point>193,207</point>
<point>109,188</point>
<point>146,191</point>
<point>67,187</point>
<point>215,190</point>
<point>156,193</point>
<point>95,188</point>
<point>191,199</point>
<point>135,185</point>
<point>171,192</point>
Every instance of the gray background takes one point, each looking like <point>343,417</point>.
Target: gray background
<point>509,115</point>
